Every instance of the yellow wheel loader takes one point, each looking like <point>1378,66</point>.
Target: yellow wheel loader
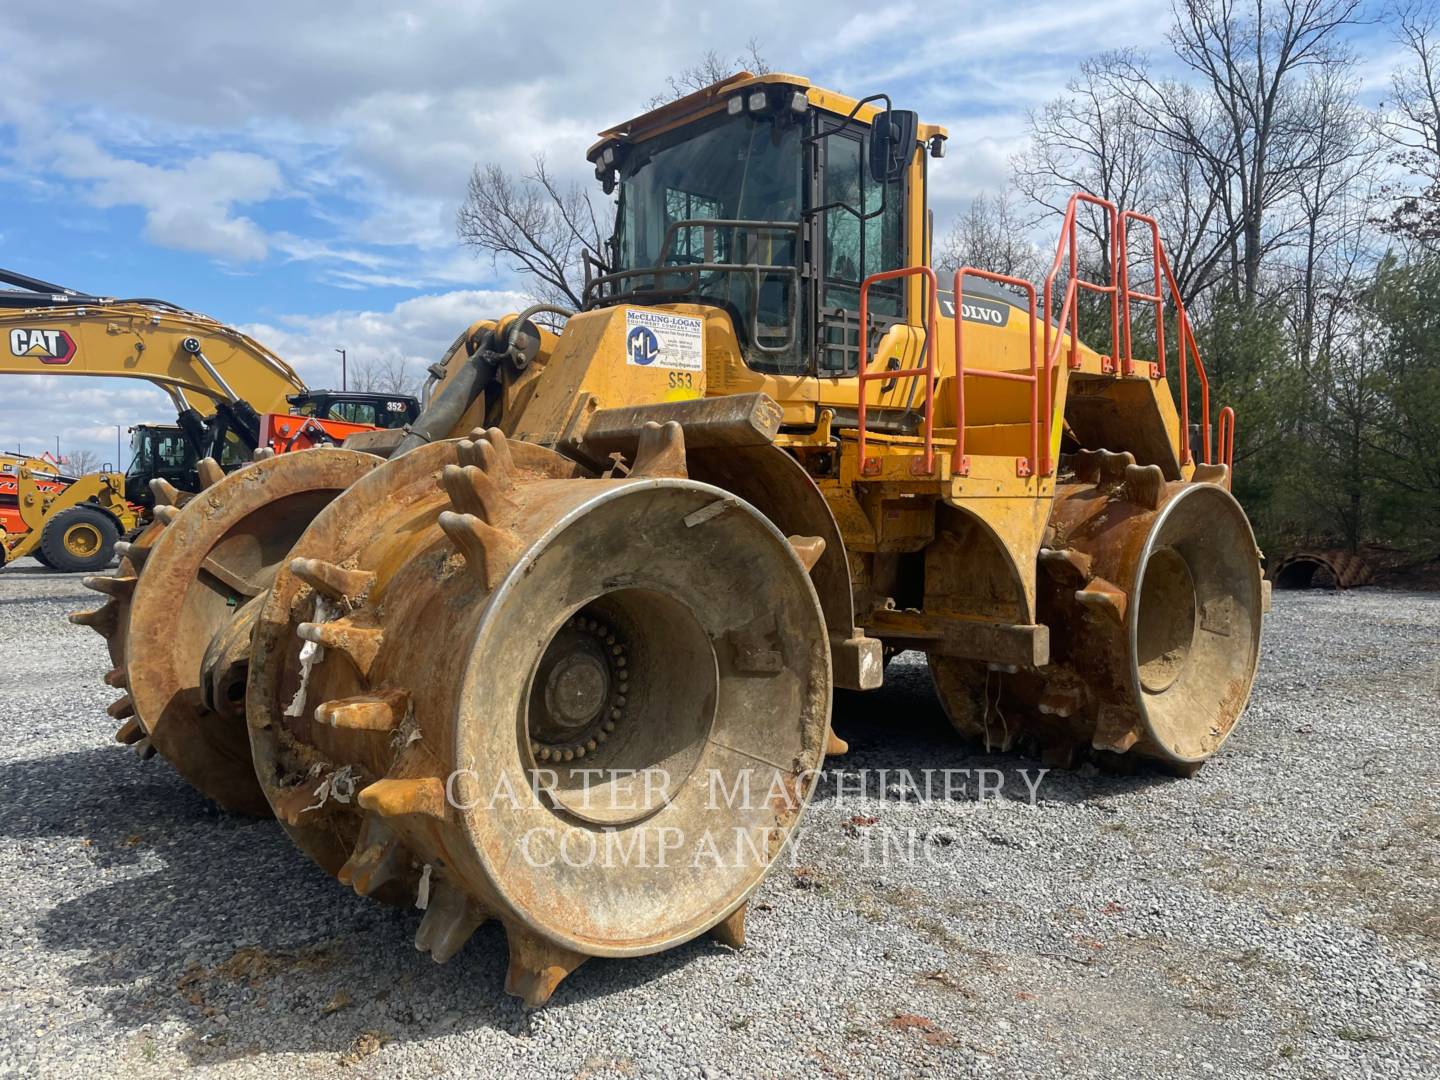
<point>69,523</point>
<point>516,663</point>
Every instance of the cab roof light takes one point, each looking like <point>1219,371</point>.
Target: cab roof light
<point>759,102</point>
<point>799,103</point>
<point>937,146</point>
<point>735,106</point>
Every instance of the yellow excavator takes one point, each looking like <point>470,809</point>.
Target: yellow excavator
<point>231,395</point>
<point>222,382</point>
<point>561,656</point>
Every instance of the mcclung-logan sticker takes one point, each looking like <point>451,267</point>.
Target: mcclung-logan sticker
<point>658,339</point>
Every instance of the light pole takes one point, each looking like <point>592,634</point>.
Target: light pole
<point>342,368</point>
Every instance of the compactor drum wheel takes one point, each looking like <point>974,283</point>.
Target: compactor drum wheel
<point>587,708</point>
<point>1153,596</point>
<point>79,539</point>
<point>111,620</point>
<point>185,600</point>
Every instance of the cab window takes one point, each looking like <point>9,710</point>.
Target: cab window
<point>354,412</point>
<point>862,234</point>
<point>745,169</point>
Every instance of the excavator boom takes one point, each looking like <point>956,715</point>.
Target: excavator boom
<point>231,394</point>
<point>205,366</point>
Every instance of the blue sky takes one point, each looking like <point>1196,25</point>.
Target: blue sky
<point>295,169</point>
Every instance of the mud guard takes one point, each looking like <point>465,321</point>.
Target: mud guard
<point>729,443</point>
<point>775,483</point>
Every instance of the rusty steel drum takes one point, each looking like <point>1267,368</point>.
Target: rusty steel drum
<point>1153,594</point>
<point>186,593</point>
<point>473,654</point>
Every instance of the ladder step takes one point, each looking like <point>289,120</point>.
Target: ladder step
<point>1001,440</point>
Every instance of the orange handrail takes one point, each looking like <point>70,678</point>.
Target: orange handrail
<point>1069,310</point>
<point>928,370</point>
<point>960,464</point>
<point>1187,342</point>
<point>1065,322</point>
<point>1225,435</point>
<point>1129,295</point>
<point>1187,349</point>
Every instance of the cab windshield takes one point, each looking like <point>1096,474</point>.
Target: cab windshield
<point>745,173</point>
<point>158,452</point>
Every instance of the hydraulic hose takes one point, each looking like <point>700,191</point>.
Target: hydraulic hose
<point>443,411</point>
<point>448,406</point>
<point>195,430</point>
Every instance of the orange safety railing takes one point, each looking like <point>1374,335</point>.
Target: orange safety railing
<point>1065,323</point>
<point>1069,305</point>
<point>928,371</point>
<point>1186,349</point>
<point>1226,438</point>
<point>1129,296</point>
<point>960,464</point>
<point>1189,348</point>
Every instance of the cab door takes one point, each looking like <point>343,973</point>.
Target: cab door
<point>859,231</point>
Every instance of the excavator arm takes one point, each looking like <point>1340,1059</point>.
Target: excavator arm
<point>203,365</point>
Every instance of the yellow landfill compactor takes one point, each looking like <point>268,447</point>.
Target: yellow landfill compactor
<point>523,655</point>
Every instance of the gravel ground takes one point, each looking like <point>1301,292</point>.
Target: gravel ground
<point>1277,914</point>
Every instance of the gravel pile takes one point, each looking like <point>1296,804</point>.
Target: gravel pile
<point>1276,914</point>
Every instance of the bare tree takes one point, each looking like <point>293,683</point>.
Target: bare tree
<point>1411,125</point>
<point>1089,139</point>
<point>80,462</point>
<point>540,227</point>
<point>388,374</point>
<point>1102,137</point>
<point>709,70</point>
<point>1190,194</point>
<point>991,236</point>
<point>1249,58</point>
<point>1332,201</point>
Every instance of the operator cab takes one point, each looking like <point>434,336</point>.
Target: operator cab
<point>162,451</point>
<point>356,407</point>
<point>772,200</point>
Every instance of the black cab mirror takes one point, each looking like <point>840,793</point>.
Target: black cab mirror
<point>892,143</point>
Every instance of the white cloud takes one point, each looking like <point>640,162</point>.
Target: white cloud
<point>188,207</point>
<point>377,126</point>
<point>418,331</point>
<point>85,412</point>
